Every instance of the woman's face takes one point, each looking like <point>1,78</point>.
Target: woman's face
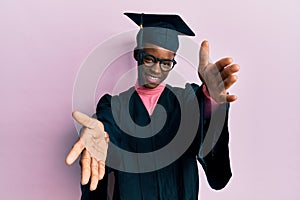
<point>151,77</point>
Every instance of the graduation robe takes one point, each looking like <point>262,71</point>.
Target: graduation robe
<point>178,180</point>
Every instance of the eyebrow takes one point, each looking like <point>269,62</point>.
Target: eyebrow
<point>163,59</point>
<point>174,54</point>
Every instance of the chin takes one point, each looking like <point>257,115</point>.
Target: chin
<point>151,85</point>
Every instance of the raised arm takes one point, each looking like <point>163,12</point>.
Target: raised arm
<point>217,78</point>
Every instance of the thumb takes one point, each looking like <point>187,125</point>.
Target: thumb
<point>204,54</point>
<point>84,120</point>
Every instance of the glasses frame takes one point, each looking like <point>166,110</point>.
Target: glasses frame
<point>156,60</point>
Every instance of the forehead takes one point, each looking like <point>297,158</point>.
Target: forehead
<point>158,51</point>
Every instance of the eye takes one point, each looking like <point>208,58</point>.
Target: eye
<point>148,60</point>
<point>167,63</point>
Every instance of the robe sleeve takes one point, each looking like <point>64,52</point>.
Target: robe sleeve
<point>216,163</point>
<point>101,191</point>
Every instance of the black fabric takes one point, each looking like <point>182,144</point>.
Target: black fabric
<point>162,37</point>
<point>169,21</point>
<point>160,29</point>
<point>177,181</point>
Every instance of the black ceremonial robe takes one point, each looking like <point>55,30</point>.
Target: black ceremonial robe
<point>178,180</point>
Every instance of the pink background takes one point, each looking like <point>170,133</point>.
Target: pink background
<point>43,43</point>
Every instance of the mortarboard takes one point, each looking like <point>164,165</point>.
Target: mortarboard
<point>161,30</point>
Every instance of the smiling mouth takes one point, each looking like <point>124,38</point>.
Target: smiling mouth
<point>152,79</point>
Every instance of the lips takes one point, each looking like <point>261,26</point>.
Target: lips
<point>152,78</point>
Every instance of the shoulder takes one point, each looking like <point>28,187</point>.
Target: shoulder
<point>187,86</point>
<point>189,90</point>
<point>107,99</point>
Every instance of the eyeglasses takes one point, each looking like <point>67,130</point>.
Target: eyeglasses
<point>150,60</point>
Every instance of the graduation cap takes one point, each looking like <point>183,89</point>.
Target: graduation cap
<point>160,29</point>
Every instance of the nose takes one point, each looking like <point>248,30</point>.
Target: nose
<point>156,68</point>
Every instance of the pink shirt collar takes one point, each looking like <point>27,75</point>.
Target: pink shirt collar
<point>149,96</point>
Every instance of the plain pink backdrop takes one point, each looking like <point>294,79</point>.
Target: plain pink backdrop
<point>43,43</point>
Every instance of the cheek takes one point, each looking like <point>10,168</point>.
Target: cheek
<point>142,69</point>
<point>141,72</point>
<point>145,69</point>
<point>165,75</point>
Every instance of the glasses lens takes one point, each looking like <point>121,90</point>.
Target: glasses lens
<point>166,65</point>
<point>149,60</point>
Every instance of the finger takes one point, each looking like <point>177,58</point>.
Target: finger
<point>84,120</point>
<point>101,169</point>
<point>229,70</point>
<point>222,63</point>
<point>231,98</point>
<point>225,97</point>
<point>94,176</point>
<point>106,136</point>
<point>204,55</point>
<point>85,167</point>
<point>229,81</point>
<point>75,152</point>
